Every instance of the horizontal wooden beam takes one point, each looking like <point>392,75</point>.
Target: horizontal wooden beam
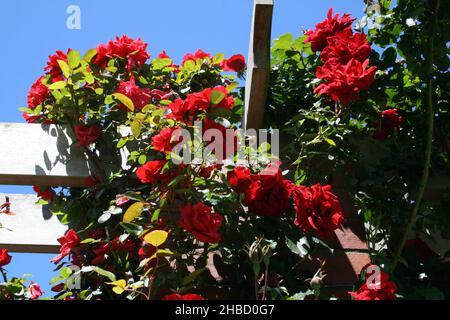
<point>258,65</point>
<point>32,228</point>
<point>34,154</point>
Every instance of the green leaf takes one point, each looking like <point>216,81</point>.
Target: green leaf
<point>133,196</point>
<point>220,112</point>
<point>301,248</point>
<point>111,276</point>
<point>90,80</point>
<point>89,55</point>
<point>124,100</point>
<point>136,128</point>
<point>283,42</point>
<point>73,58</point>
<point>121,143</point>
<point>217,97</point>
<point>191,276</point>
<point>302,295</point>
<point>189,65</point>
<point>132,228</point>
<point>65,272</point>
<point>155,215</point>
<point>58,85</point>
<point>218,58</point>
<point>330,142</point>
<point>159,64</point>
<point>64,68</point>
<point>142,159</point>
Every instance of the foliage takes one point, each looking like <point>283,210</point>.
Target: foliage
<point>378,146</point>
<point>161,227</point>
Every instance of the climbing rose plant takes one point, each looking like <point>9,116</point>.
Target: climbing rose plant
<point>363,106</point>
<point>158,228</point>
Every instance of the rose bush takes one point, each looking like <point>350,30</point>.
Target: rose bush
<point>151,226</point>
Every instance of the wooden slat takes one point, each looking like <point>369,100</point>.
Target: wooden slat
<point>33,228</point>
<point>258,64</point>
<point>34,154</point>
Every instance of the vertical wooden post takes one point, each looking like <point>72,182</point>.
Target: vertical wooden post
<point>258,65</point>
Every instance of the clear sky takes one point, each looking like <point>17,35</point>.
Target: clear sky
<point>32,30</point>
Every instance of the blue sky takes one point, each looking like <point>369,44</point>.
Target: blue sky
<point>32,30</point>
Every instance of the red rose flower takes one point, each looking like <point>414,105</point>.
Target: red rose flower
<point>38,93</point>
<point>389,120</point>
<point>199,101</point>
<point>91,182</point>
<point>227,149</point>
<point>114,245</point>
<point>126,48</point>
<point>344,82</point>
<point>158,95</point>
<point>163,55</point>
<point>328,27</point>
<point>86,135</point>
<point>58,288</point>
<point>318,209</point>
<point>179,110</point>
<point>345,46</point>
<point>268,193</point>
<point>5,258</point>
<point>188,296</point>
<point>386,290</point>
<point>68,242</point>
<point>239,178</point>
<point>165,140</point>
<point>35,291</point>
<point>53,68</point>
<point>146,251</point>
<point>236,63</point>
<point>139,96</point>
<point>201,222</point>
<point>207,170</point>
<point>45,194</point>
<point>151,172</point>
<point>199,55</point>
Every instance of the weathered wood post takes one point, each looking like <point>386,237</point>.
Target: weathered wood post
<point>258,65</point>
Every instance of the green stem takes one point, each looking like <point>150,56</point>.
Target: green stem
<point>5,279</point>
<point>428,148</point>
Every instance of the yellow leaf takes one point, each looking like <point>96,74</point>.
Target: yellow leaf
<point>118,290</point>
<point>156,238</point>
<point>119,283</point>
<point>164,252</point>
<point>134,211</point>
<point>124,100</point>
<point>330,142</point>
<point>119,286</point>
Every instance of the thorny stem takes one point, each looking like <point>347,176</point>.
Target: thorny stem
<point>428,148</point>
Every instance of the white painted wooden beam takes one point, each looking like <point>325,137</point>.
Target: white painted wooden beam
<point>34,154</point>
<point>33,228</point>
<point>258,64</point>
